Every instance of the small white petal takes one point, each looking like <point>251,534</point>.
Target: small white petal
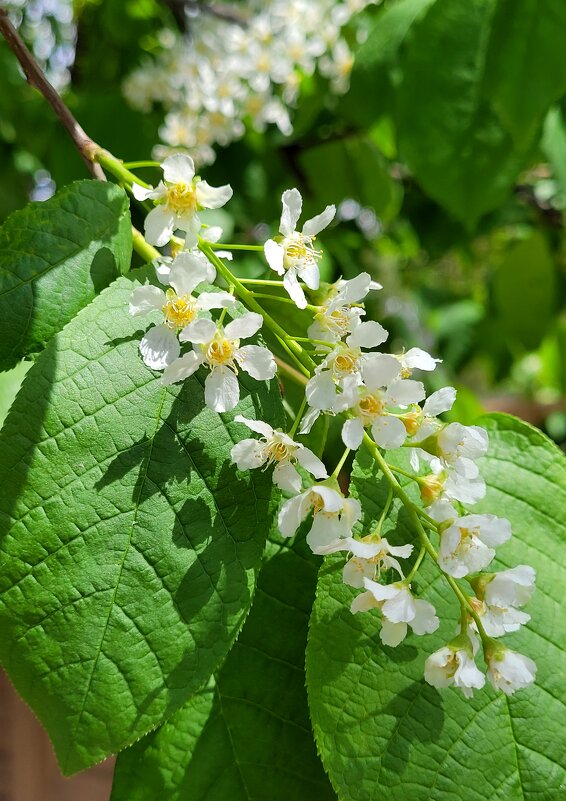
<point>145,299</point>
<point>199,332</point>
<point>182,368</point>
<point>159,226</point>
<point>257,361</point>
<point>316,224</point>
<point>212,197</point>
<point>417,359</point>
<point>310,274</point>
<point>440,401</point>
<point>215,300</point>
<point>221,390</point>
<point>178,169</point>
<point>247,454</point>
<point>368,335</point>
<point>245,326</point>
<point>291,515</point>
<point>404,392</point>
<point>307,459</point>
<point>379,370</point>
<point>255,425</point>
<point>388,432</point>
<point>320,391</point>
<point>292,207</point>
<point>425,620</point>
<point>294,289</point>
<point>352,434</point>
<point>274,255</point>
<point>392,634</point>
<point>286,477</point>
<point>187,272</point>
<point>142,192</point>
<point>159,347</point>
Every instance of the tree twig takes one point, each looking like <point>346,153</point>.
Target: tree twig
<point>36,78</point>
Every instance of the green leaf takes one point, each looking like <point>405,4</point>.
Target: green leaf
<point>554,146</point>
<point>131,543</point>
<point>55,257</point>
<point>526,273</point>
<point>371,84</point>
<point>249,736</point>
<point>352,168</point>
<point>449,134</point>
<point>525,69</point>
<point>382,731</point>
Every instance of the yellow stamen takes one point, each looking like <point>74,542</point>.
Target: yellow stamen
<point>180,311</point>
<point>181,198</point>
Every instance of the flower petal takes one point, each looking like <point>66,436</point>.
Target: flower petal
<point>402,392</point>
<point>294,289</point>
<point>417,359</point>
<point>291,515</point>
<point>212,197</point>
<point>247,454</point>
<point>292,206</point>
<point>145,299</point>
<point>440,401</point>
<point>274,255</point>
<point>257,362</point>
<point>142,192</point>
<point>159,226</point>
<point>187,272</point>
<point>178,169</point>
<point>245,326</point>
<point>286,477</point>
<point>255,425</point>
<point>367,335</point>
<point>221,390</point>
<point>182,368</point>
<point>310,275</point>
<point>316,224</point>
<point>310,462</point>
<point>352,434</point>
<point>379,370</point>
<point>215,300</point>
<point>199,332</point>
<point>389,432</point>
<point>159,347</point>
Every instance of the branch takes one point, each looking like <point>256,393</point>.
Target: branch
<point>223,12</point>
<point>35,77</point>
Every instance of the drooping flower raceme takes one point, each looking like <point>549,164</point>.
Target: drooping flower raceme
<point>178,199</point>
<point>468,544</point>
<point>160,345</point>
<point>293,255</point>
<point>219,349</point>
<point>276,447</point>
<point>509,671</point>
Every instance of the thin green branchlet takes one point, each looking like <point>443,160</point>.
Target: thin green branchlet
<point>373,393</point>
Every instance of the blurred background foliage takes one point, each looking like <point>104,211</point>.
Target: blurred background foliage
<point>446,158</point>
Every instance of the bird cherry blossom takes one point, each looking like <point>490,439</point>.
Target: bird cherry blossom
<point>454,665</point>
<point>385,557</point>
<point>508,670</point>
<point>333,517</point>
<point>178,199</point>
<point>293,255</point>
<point>218,348</point>
<point>340,313</point>
<point>467,544</point>
<point>276,447</point>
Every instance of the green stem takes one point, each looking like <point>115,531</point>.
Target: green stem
<point>416,566</point>
<point>223,246</point>
<point>260,282</point>
<point>134,165</point>
<point>117,168</point>
<point>340,464</point>
<point>384,513</point>
<point>291,373</point>
<point>276,298</point>
<point>298,418</point>
<point>252,304</point>
<point>142,247</point>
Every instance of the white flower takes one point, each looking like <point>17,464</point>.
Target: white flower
<point>345,362</point>
<point>384,557</point>
<point>467,545</point>
<point>456,441</point>
<point>333,518</point>
<point>160,345</point>
<point>294,256</point>
<point>509,671</point>
<point>179,198</point>
<point>338,316</point>
<point>219,349</point>
<point>369,404</point>
<point>277,448</point>
<point>454,666</point>
<point>500,598</point>
<point>398,608</point>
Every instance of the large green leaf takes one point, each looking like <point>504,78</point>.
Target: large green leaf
<point>381,730</point>
<point>54,258</point>
<point>130,543</point>
<point>249,736</point>
<point>449,133</point>
<point>525,69</point>
<point>525,281</point>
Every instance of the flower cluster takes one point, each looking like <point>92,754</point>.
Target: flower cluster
<point>222,76</point>
<point>49,28</point>
<point>380,404</point>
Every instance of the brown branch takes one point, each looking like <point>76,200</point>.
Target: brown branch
<point>35,77</point>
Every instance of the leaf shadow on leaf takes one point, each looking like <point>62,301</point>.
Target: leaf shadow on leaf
<point>202,523</point>
<point>104,269</point>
